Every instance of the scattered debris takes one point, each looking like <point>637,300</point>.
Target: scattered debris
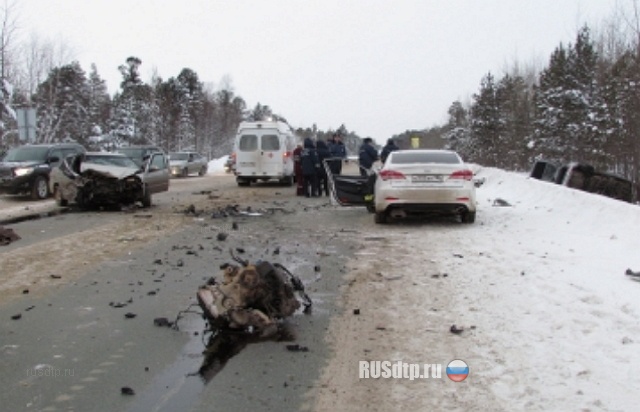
<point>477,182</point>
<point>130,315</point>
<point>162,322</point>
<point>456,330</point>
<point>630,272</point>
<point>125,390</point>
<point>316,268</point>
<point>25,291</point>
<point>7,236</point>
<point>356,311</point>
<point>222,236</point>
<point>234,226</point>
<point>55,276</point>
<point>500,203</point>
<point>16,316</point>
<point>297,348</point>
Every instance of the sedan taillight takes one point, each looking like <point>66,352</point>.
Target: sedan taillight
<point>391,175</point>
<point>462,174</point>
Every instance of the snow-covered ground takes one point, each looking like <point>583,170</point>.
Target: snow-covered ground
<point>558,294</point>
<point>551,322</point>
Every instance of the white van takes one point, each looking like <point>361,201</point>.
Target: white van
<point>264,151</point>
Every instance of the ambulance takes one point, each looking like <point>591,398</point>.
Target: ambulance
<point>264,151</point>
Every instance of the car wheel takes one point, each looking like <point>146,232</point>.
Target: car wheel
<point>40,188</point>
<point>468,217</point>
<point>380,217</point>
<point>146,198</point>
<point>57,195</point>
<point>203,171</point>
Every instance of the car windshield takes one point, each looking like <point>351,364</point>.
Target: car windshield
<point>110,160</point>
<point>26,154</point>
<point>424,157</point>
<point>178,156</point>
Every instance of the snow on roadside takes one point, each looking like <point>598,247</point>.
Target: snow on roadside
<point>551,322</point>
<point>216,166</point>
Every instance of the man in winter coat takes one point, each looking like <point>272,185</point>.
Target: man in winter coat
<point>323,153</point>
<point>388,148</point>
<point>337,150</point>
<point>310,163</point>
<point>297,170</point>
<point>367,155</point>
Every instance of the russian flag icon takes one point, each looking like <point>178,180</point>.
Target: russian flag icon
<point>457,370</point>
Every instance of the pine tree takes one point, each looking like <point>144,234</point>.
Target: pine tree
<point>61,105</point>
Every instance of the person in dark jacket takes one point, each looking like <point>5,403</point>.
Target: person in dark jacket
<point>323,153</point>
<point>337,150</point>
<point>297,170</point>
<point>367,155</point>
<point>310,164</point>
<point>388,148</point>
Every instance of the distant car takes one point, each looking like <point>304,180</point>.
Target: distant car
<point>412,183</point>
<point>96,179</point>
<point>185,163</point>
<point>26,169</point>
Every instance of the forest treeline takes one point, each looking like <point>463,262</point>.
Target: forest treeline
<point>582,105</point>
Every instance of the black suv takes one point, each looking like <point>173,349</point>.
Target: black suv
<point>26,169</point>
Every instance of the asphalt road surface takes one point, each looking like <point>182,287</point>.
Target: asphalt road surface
<point>79,293</point>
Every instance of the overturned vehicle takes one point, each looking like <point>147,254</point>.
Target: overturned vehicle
<point>585,177</point>
<point>252,298</point>
<point>100,179</point>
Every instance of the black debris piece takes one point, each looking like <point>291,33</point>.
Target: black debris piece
<point>125,390</point>
<point>276,251</point>
<point>55,276</point>
<point>222,236</point>
<point>240,250</point>
<point>356,311</point>
<point>455,330</point>
<point>7,236</point>
<point>130,315</point>
<point>501,203</point>
<point>16,316</point>
<point>161,322</point>
<point>297,348</point>
<point>180,263</point>
<point>234,226</point>
<point>25,291</point>
<point>157,262</point>
<point>316,268</point>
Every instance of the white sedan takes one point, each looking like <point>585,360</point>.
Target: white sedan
<point>413,183</point>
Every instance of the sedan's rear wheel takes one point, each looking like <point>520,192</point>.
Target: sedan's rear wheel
<point>468,217</point>
<point>380,217</point>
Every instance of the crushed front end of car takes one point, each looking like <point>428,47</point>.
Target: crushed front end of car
<point>93,185</point>
<point>98,188</point>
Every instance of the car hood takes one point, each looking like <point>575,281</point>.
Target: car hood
<point>117,172</point>
<point>177,162</point>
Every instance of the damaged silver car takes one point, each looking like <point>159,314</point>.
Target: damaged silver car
<point>97,179</point>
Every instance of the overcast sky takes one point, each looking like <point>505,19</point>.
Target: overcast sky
<point>379,67</point>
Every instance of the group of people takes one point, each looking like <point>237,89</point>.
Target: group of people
<point>311,176</point>
<point>368,155</point>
